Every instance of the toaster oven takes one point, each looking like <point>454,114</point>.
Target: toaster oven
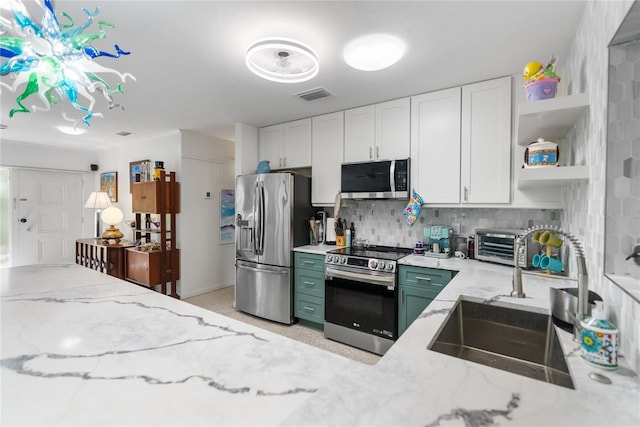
<point>498,245</point>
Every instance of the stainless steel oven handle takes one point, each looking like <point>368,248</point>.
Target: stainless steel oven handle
<point>359,277</point>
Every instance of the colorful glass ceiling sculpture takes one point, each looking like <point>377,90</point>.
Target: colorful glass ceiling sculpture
<point>55,60</point>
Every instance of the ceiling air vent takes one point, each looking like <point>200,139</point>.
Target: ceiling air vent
<point>313,94</point>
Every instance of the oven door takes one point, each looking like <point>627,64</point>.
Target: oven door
<point>363,302</point>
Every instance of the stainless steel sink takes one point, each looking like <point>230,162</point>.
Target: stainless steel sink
<point>518,340</point>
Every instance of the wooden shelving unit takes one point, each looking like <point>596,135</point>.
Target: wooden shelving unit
<point>158,266</point>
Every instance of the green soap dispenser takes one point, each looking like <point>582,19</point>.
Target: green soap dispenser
<point>599,338</point>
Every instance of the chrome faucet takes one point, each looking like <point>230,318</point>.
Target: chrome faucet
<point>583,278</point>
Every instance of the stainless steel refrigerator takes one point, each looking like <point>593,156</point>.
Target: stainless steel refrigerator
<point>272,217</point>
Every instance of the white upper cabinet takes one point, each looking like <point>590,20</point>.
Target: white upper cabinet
<point>378,132</point>
<point>393,129</point>
<point>486,142</point>
<point>461,144</point>
<point>359,134</point>
<point>271,145</point>
<point>297,144</point>
<point>287,145</point>
<point>327,149</point>
<point>435,146</point>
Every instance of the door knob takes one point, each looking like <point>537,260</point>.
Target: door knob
<point>23,220</point>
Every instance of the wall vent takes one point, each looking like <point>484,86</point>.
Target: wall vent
<point>313,94</point>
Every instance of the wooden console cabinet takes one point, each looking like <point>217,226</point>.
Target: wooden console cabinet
<point>102,257</point>
<point>145,267</point>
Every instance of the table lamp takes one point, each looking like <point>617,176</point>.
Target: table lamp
<point>98,200</point>
<point>112,216</point>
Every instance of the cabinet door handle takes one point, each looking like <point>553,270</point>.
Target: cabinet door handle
<point>401,296</point>
<point>309,309</point>
<point>309,284</point>
<point>466,193</point>
<point>370,153</point>
<point>284,162</point>
<point>377,152</point>
<point>310,262</point>
<point>428,279</point>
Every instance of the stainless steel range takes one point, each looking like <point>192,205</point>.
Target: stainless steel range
<point>361,296</point>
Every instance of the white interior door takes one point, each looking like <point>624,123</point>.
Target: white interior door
<point>47,216</point>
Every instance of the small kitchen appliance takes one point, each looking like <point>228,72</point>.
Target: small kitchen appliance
<point>388,179</point>
<point>361,296</point>
<point>498,245</point>
<point>440,240</point>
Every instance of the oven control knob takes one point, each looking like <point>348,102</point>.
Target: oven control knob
<point>329,258</point>
<point>381,265</point>
<point>390,267</point>
<point>373,264</point>
<point>343,260</point>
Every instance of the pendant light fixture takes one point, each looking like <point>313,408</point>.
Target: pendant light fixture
<point>55,60</point>
<point>282,60</point>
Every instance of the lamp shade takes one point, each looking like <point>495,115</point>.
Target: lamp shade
<point>98,200</point>
<point>112,216</point>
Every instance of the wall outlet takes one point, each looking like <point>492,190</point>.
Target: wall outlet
<point>207,195</point>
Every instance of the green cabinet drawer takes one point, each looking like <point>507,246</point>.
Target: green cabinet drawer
<point>309,308</point>
<point>309,282</point>
<point>420,276</point>
<point>309,261</point>
<point>411,302</point>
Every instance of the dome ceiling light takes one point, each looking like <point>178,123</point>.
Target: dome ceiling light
<point>373,52</point>
<point>282,60</point>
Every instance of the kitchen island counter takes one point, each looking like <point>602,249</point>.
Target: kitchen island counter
<point>83,348</point>
<point>79,347</point>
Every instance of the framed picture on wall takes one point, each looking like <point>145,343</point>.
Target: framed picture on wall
<point>227,216</point>
<point>109,185</point>
<point>134,168</point>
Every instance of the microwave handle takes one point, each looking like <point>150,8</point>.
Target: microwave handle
<point>392,178</point>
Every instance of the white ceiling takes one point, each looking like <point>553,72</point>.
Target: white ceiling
<point>188,59</point>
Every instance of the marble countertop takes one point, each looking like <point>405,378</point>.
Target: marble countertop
<point>79,347</point>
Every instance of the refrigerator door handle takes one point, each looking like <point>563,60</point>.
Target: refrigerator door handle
<point>257,220</point>
<point>262,270</point>
<point>261,210</point>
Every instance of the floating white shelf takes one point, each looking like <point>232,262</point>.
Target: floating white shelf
<point>550,119</point>
<point>550,176</point>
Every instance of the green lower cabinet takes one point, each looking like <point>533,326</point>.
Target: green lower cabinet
<point>418,286</point>
<point>412,301</point>
<point>308,297</point>
<point>309,308</point>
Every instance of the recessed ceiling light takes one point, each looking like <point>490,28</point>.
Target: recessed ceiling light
<point>70,130</point>
<point>373,52</point>
<point>282,60</point>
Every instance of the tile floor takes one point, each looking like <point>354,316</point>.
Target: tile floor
<point>221,301</point>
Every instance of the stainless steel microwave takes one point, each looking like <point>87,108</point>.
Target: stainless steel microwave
<point>498,245</point>
<point>388,179</point>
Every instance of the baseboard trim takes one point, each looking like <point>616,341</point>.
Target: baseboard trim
<point>204,290</point>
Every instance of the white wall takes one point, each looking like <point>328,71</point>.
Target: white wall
<point>247,151</point>
<point>207,167</point>
<point>24,155</point>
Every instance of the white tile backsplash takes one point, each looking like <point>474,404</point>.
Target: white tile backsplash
<point>587,70</point>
